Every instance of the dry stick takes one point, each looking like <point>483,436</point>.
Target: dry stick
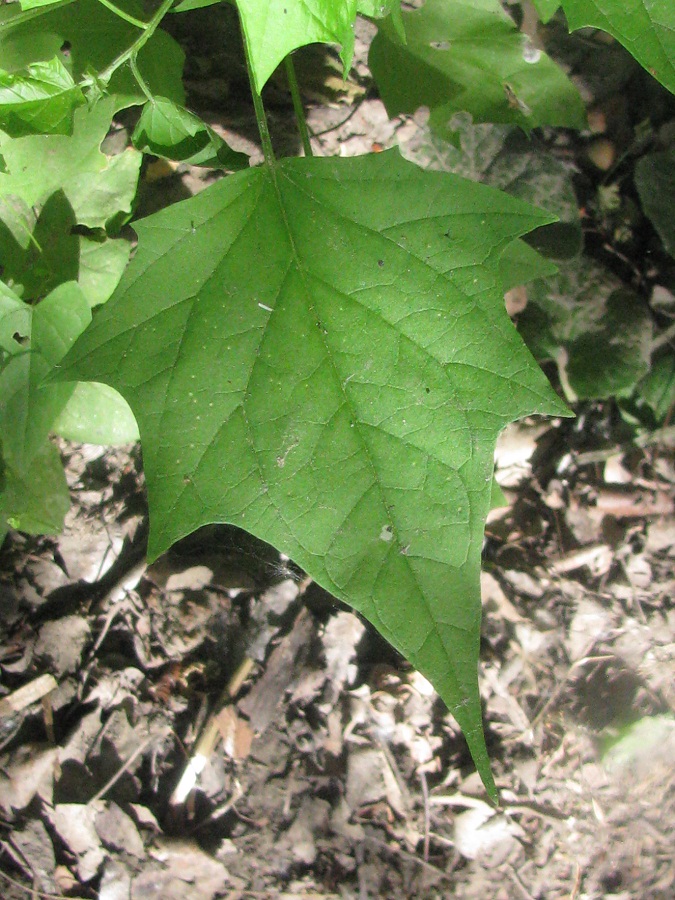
<point>33,891</point>
<point>515,878</point>
<point>123,768</point>
<point>396,850</point>
<point>577,882</point>
<point>210,735</point>
<point>354,110</point>
<point>427,817</point>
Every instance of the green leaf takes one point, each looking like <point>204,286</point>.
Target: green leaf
<point>52,256</point>
<point>503,157</point>
<point>655,183</point>
<point>379,9</point>
<point>95,37</point>
<point>27,407</point>
<point>101,266</point>
<point>35,4</point>
<point>15,322</point>
<point>96,186</point>
<point>187,5</point>
<point>598,332</point>
<point>36,499</point>
<point>96,414</point>
<point>656,392</point>
<point>319,352</point>
<point>17,221</point>
<point>274,28</point>
<point>646,28</point>
<point>173,132</point>
<point>546,8</point>
<point>39,100</point>
<point>470,56</point>
<point>520,264</point>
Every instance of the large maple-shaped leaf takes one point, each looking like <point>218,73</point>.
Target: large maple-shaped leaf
<point>319,353</point>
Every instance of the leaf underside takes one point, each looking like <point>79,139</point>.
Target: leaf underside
<point>330,372</point>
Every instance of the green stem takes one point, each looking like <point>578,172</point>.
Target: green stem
<point>260,116</point>
<point>133,65</point>
<point>138,44</point>
<point>297,105</point>
<point>123,15</point>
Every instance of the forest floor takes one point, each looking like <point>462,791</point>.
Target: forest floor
<point>216,725</point>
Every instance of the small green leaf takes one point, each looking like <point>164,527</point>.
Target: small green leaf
<point>470,56</point>
<point>274,28</point>
<point>95,37</point>
<point>99,196</point>
<point>598,332</point>
<point>657,388</point>
<point>655,183</point>
<point>96,414</point>
<point>319,352</point>
<point>546,8</point>
<point>379,9</point>
<point>101,266</point>
<point>38,100</point>
<point>96,186</point>
<point>173,132</point>
<point>17,221</point>
<point>52,255</point>
<point>15,323</point>
<point>35,4</point>
<point>520,264</point>
<point>187,5</point>
<point>646,28</point>
<point>27,406</point>
<point>497,498</point>
<point>35,499</point>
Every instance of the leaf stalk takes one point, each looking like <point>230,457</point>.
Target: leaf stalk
<point>132,20</point>
<point>133,51</point>
<point>260,115</point>
<point>298,108</point>
<point>133,65</point>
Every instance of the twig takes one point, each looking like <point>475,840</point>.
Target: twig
<point>27,695</point>
<point>33,892</point>
<point>123,768</point>
<point>221,810</point>
<point>396,850</point>
<point>513,875</point>
<point>427,819</point>
<point>666,337</point>
<point>210,735</point>
<point>354,110</point>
